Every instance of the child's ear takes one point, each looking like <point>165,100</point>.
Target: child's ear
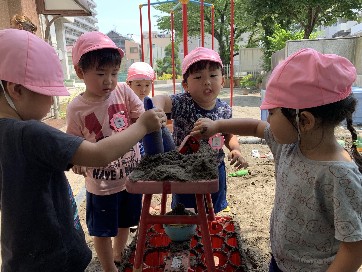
<point>307,121</point>
<point>79,71</point>
<point>14,90</point>
<point>185,86</point>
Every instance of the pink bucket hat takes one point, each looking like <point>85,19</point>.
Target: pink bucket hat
<point>309,79</point>
<point>140,71</point>
<point>200,53</point>
<point>29,61</point>
<point>91,41</point>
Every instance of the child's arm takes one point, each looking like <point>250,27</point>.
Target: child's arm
<point>348,258</point>
<point>162,102</point>
<point>205,128</point>
<point>111,148</point>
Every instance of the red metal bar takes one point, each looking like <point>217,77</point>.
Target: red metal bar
<point>231,51</point>
<point>184,27</point>
<point>202,23</point>
<point>142,53</point>
<point>206,238</point>
<point>150,40</point>
<point>210,208</point>
<point>163,203</point>
<point>212,26</point>
<point>173,52</point>
<point>140,246</point>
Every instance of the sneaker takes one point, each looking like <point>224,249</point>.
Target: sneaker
<point>133,229</point>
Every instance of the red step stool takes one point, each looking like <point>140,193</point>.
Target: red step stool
<point>202,190</point>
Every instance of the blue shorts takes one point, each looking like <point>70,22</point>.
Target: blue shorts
<point>218,199</point>
<point>106,213</point>
<point>273,267</point>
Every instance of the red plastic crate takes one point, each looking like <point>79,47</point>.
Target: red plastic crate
<point>225,243</point>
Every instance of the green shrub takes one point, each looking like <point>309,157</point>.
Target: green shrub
<point>165,77</point>
<point>248,81</point>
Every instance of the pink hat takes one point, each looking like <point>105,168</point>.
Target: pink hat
<point>29,61</point>
<point>91,41</point>
<point>309,79</point>
<point>200,53</point>
<point>140,71</point>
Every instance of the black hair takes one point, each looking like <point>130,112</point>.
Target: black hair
<point>100,58</point>
<point>201,65</point>
<point>331,115</point>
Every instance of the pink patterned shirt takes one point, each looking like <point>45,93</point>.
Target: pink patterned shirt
<point>97,120</point>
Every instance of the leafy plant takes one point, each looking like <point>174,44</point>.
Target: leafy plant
<point>248,81</point>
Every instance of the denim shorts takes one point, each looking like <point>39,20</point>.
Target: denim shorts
<point>106,213</point>
<point>218,199</point>
<point>273,267</point>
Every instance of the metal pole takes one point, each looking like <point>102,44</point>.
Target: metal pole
<point>212,26</point>
<point>184,25</point>
<point>202,23</point>
<point>142,53</point>
<point>231,52</point>
<point>173,53</point>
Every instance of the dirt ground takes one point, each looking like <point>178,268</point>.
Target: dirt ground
<point>250,197</point>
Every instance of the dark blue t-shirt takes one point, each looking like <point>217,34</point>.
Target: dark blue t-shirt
<point>40,228</point>
<point>185,112</point>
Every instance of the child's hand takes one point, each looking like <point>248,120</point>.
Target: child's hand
<point>163,116</point>
<point>237,159</point>
<point>80,170</point>
<point>204,128</point>
<point>152,120</point>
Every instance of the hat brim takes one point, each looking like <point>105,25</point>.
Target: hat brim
<point>49,91</point>
<point>133,78</point>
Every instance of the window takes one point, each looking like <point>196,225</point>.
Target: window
<point>133,49</point>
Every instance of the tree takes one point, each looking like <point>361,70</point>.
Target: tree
<point>280,37</point>
<point>164,66</point>
<point>222,23</point>
<point>294,16</point>
<point>309,14</point>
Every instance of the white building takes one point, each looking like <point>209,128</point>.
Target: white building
<point>341,28</point>
<point>65,31</point>
<point>81,25</point>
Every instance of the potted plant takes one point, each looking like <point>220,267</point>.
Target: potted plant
<point>246,83</point>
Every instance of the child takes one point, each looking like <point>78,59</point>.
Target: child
<point>202,80</point>
<point>140,78</point>
<point>105,108</point>
<point>40,228</point>
<point>316,222</point>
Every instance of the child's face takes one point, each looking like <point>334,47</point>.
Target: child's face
<point>204,86</point>
<point>33,105</point>
<point>283,131</point>
<point>99,82</point>
<point>142,88</point>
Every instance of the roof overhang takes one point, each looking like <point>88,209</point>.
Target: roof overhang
<point>63,7</point>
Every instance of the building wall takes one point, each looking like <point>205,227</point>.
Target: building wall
<point>348,47</point>
<point>159,43</point>
<point>8,8</point>
<point>132,52</point>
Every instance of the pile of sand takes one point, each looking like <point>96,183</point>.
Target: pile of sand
<point>201,165</point>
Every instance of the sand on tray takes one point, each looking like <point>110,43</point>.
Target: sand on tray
<point>172,165</point>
